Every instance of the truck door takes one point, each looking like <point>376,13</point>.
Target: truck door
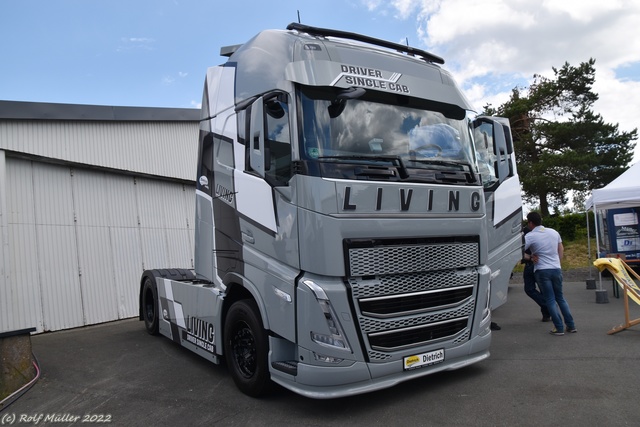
<point>268,160</point>
<point>496,162</point>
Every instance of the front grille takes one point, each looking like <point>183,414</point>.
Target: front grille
<point>397,259</point>
<point>400,339</point>
<point>411,303</point>
<point>412,293</point>
<point>371,324</point>
<point>412,282</point>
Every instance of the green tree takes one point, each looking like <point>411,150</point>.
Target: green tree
<point>561,144</point>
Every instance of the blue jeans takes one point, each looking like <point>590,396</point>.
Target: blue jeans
<point>532,291</point>
<point>550,281</point>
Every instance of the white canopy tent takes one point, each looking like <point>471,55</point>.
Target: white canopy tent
<point>622,192</point>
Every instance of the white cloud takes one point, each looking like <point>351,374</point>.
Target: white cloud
<point>135,43</point>
<point>454,20</point>
<point>619,101</point>
<point>140,40</point>
<point>169,80</point>
<point>404,7</point>
<point>372,4</point>
<point>494,45</point>
<point>583,10</point>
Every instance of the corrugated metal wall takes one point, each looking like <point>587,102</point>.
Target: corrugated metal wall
<point>79,238</point>
<point>90,196</point>
<point>165,149</point>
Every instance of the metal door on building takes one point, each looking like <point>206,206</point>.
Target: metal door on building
<point>79,239</point>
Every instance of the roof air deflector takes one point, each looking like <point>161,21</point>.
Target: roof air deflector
<point>429,57</point>
<point>229,50</point>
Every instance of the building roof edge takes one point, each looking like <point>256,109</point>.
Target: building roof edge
<point>21,110</point>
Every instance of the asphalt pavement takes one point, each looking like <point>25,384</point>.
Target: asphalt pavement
<point>116,373</point>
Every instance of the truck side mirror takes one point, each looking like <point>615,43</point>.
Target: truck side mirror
<point>256,137</point>
<point>502,158</point>
<point>502,149</point>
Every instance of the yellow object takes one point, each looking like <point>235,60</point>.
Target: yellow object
<point>620,271</point>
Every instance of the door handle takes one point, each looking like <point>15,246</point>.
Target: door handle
<point>247,236</point>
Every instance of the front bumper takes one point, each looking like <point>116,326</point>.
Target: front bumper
<point>328,382</point>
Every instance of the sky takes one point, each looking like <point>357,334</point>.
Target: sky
<point>154,53</point>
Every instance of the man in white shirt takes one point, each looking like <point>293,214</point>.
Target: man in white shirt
<point>546,249</point>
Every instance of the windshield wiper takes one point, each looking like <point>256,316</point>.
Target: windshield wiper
<point>459,165</point>
<point>395,161</point>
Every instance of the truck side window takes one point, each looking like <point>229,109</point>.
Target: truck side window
<point>487,159</point>
<point>243,126</point>
<point>278,139</point>
<point>205,165</point>
<point>224,151</point>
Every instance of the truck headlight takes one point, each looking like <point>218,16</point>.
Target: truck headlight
<point>336,337</point>
<point>487,307</point>
<point>486,271</point>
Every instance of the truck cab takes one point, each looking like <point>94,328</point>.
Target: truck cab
<point>356,222</point>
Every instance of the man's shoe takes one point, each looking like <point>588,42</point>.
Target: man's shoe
<point>546,318</point>
<point>572,330</point>
<point>494,326</point>
<point>554,331</point>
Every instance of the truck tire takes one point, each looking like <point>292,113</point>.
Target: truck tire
<point>150,305</point>
<point>246,348</point>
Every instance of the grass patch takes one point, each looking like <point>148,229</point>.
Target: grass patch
<point>576,254</point>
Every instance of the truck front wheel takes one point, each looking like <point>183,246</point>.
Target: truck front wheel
<point>246,347</point>
<point>150,305</point>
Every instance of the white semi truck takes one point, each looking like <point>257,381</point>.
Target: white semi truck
<point>355,222</point>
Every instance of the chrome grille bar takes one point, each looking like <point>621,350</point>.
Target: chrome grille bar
<point>412,293</point>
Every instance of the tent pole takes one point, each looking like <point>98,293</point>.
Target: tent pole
<point>589,246</point>
<point>595,217</point>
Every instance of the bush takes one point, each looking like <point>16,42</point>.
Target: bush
<point>570,226</point>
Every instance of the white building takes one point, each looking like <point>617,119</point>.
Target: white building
<point>90,196</point>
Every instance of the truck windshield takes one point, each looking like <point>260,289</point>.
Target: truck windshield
<point>341,130</point>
